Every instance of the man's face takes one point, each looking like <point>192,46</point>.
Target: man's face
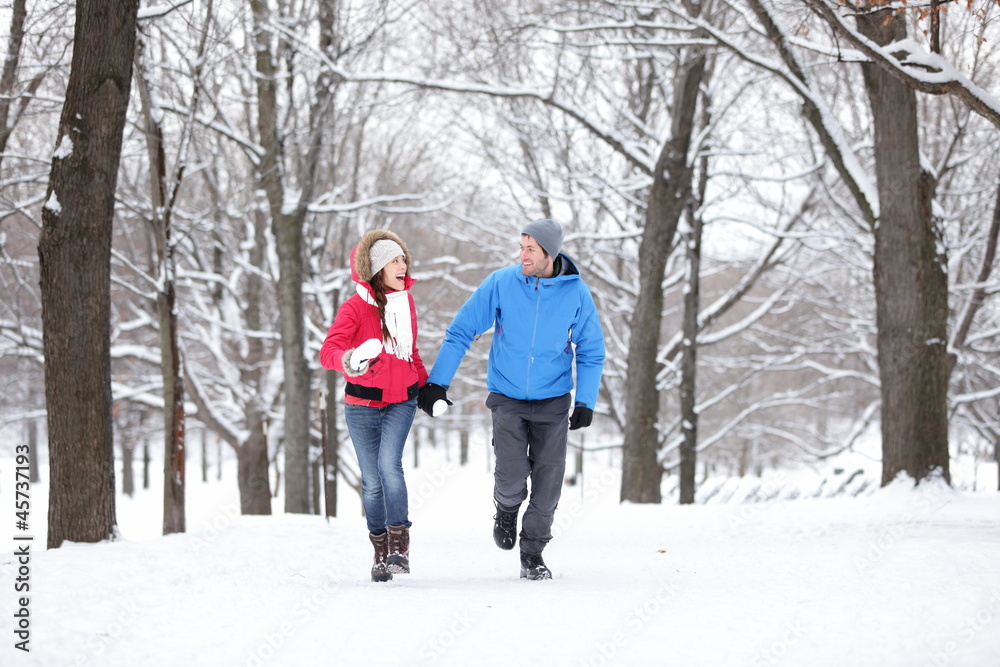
<point>534,262</point>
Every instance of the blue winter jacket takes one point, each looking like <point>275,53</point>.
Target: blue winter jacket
<point>540,326</point>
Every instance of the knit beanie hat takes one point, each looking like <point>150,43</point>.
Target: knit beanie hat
<point>382,252</point>
<point>548,233</point>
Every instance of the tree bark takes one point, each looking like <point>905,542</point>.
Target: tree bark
<point>332,455</point>
<point>128,473</point>
<point>74,252</point>
<point>174,454</point>
<point>287,227</point>
<point>252,464</point>
<point>911,284</point>
<point>204,456</point>
<point>669,193</point>
<point>689,363</point>
<point>9,77</point>
<point>33,453</point>
<point>9,102</point>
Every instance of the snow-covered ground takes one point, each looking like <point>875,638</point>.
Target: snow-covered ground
<point>896,576</point>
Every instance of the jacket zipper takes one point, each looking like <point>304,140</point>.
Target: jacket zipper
<point>534,337</point>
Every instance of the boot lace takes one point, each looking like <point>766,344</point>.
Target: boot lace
<point>506,520</point>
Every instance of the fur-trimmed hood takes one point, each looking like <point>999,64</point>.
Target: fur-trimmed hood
<point>361,258</point>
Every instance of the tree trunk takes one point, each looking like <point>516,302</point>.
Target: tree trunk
<point>128,474</point>
<point>316,469</point>
<point>74,252</point>
<point>293,334</point>
<point>9,78</point>
<point>287,227</point>
<point>33,454</point>
<point>692,328</point>
<point>332,450</point>
<point>252,464</point>
<point>641,470</point>
<point>689,363</point>
<point>911,283</point>
<point>204,455</point>
<point>174,514</point>
<point>463,446</point>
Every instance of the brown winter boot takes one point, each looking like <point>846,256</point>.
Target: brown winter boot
<point>379,570</point>
<point>399,550</point>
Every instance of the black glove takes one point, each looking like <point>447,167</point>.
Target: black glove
<point>581,417</point>
<point>429,395</point>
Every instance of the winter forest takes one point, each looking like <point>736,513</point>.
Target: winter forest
<point>787,212</point>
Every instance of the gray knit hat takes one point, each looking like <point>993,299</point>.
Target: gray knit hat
<point>382,252</point>
<point>548,233</point>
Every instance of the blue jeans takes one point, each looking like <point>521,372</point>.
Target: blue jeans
<point>379,435</point>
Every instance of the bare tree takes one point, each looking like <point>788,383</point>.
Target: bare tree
<point>668,199</point>
<point>164,190</point>
<point>74,251</point>
<point>911,285</point>
<point>12,105</point>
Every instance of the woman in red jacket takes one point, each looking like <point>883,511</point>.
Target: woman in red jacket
<point>373,342</point>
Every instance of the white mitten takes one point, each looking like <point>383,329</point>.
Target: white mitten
<point>364,353</point>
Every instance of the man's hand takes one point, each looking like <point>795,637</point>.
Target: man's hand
<point>581,417</point>
<point>433,399</point>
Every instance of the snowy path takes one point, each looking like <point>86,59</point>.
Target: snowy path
<point>901,577</point>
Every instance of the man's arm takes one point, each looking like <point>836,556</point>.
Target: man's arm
<point>474,318</point>
<point>589,341</point>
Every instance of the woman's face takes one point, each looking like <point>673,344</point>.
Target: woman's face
<point>393,273</point>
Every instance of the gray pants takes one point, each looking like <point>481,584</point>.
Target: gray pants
<point>529,440</point>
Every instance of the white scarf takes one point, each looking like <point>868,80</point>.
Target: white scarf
<point>397,320</point>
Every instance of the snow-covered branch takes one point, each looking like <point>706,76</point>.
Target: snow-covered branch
<point>911,64</point>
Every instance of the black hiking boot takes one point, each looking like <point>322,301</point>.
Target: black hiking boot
<point>398,560</point>
<point>533,567</point>
<point>380,571</point>
<point>505,528</point>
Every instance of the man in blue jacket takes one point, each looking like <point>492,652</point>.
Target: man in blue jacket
<point>543,319</point>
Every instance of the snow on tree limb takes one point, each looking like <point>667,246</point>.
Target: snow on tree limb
<point>606,134</point>
<point>909,62</point>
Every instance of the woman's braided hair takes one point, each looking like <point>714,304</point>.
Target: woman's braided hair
<point>378,289</point>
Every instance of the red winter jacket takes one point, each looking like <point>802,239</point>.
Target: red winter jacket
<point>388,379</point>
